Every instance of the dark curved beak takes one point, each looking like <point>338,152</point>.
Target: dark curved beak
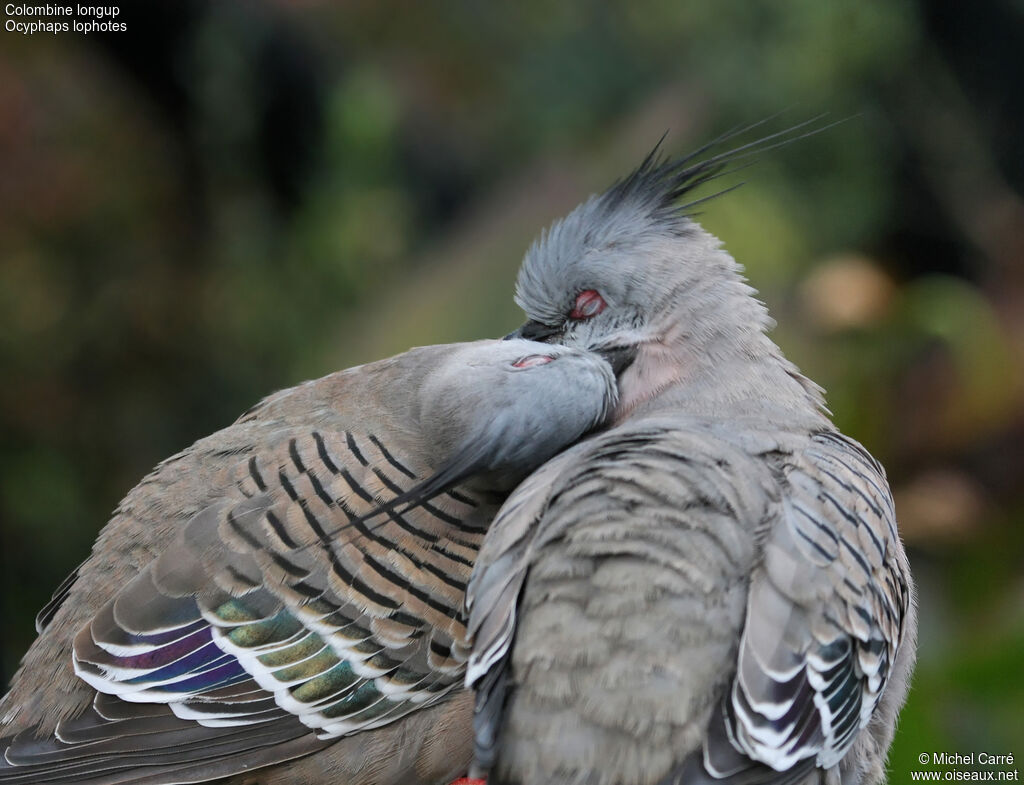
<point>619,358</point>
<point>533,331</point>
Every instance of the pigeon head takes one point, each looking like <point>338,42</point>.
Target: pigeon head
<point>502,408</point>
<point>629,274</point>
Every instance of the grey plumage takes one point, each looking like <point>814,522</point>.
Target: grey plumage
<point>713,590</point>
<point>293,584</point>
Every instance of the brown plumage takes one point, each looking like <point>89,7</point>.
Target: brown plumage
<point>249,603</point>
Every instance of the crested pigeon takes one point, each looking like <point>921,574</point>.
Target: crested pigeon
<point>713,588</point>
<point>291,587</point>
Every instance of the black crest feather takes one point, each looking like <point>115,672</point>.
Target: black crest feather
<point>664,185</point>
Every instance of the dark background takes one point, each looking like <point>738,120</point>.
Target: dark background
<point>229,197</point>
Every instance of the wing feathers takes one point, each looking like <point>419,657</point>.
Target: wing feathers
<point>825,607</point>
<point>832,583</point>
<point>277,611</point>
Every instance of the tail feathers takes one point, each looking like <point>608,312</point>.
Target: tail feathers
<point>147,746</point>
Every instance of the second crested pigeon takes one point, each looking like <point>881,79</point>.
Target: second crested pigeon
<point>712,590</point>
<point>291,587</point>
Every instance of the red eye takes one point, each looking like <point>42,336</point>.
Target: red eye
<point>531,360</point>
<point>588,303</point>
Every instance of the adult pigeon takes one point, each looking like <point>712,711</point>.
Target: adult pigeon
<point>713,589</point>
<point>291,587</point>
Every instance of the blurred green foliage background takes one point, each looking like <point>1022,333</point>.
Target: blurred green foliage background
<point>230,197</point>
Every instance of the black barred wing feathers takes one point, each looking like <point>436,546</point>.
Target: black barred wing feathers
<point>802,527</point>
<point>281,611</point>
<point>826,613</point>
<point>343,622</point>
